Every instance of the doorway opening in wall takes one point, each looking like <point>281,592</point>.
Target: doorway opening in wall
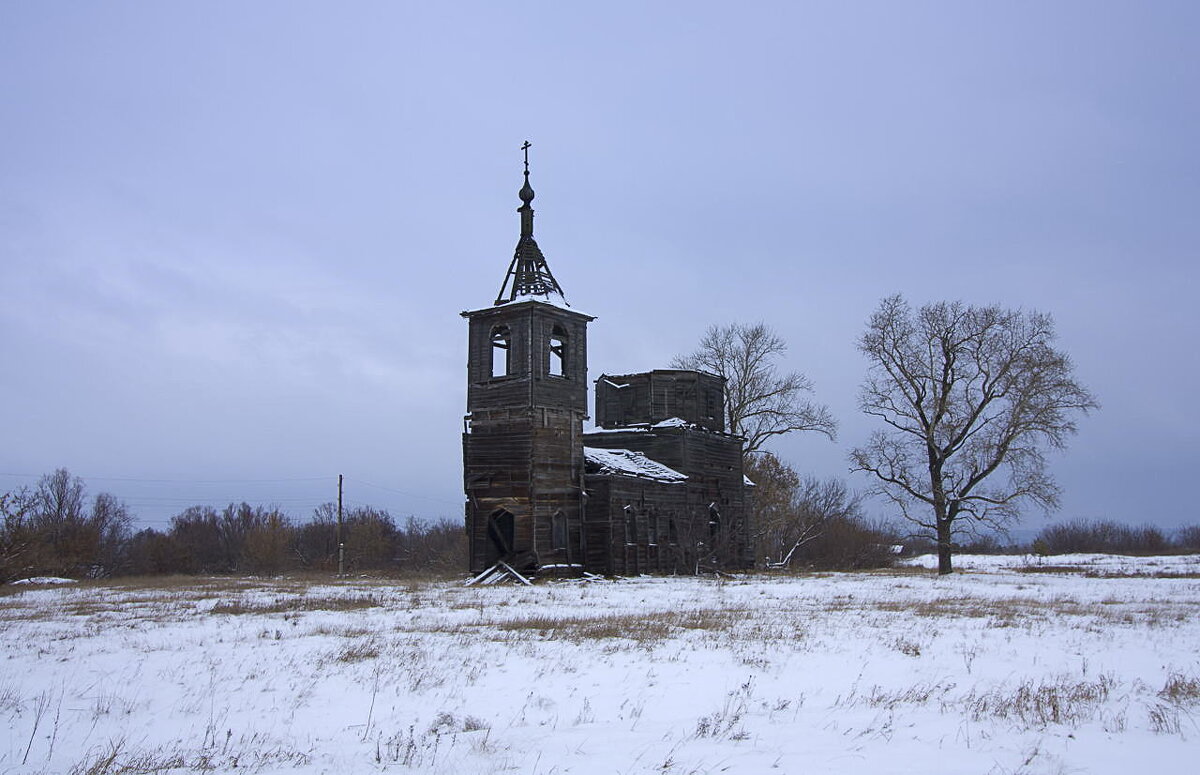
<point>500,532</point>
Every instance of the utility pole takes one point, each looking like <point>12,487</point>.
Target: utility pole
<point>341,546</point>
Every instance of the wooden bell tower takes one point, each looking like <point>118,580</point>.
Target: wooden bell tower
<point>526,403</point>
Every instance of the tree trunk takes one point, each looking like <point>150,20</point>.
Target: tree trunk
<point>945,566</point>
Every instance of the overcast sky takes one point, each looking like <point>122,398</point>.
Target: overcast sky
<point>235,237</point>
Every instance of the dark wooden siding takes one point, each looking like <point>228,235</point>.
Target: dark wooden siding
<point>655,505</point>
<point>713,464</point>
<point>654,396</point>
<point>530,463</point>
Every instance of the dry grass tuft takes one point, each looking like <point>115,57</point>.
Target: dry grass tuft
<point>358,652</point>
<point>1181,689</point>
<point>1040,704</point>
<point>1164,719</point>
<point>283,605</point>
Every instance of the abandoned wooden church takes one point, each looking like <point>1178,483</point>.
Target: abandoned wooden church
<point>657,487</point>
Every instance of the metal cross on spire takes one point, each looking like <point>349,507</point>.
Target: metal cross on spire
<point>526,148</point>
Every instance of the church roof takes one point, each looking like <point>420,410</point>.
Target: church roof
<point>622,462</point>
<point>529,276</point>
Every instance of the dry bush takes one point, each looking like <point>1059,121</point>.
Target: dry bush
<point>1187,539</point>
<point>1106,537</point>
<point>849,543</point>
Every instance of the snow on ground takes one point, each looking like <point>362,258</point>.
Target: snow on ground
<point>1092,564</point>
<point>1009,667</point>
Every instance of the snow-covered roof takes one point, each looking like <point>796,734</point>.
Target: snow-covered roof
<point>623,462</point>
<point>641,427</point>
<point>551,300</point>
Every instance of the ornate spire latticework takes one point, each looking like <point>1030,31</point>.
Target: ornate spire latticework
<point>528,275</point>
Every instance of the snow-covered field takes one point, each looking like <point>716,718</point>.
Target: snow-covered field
<point>1076,665</point>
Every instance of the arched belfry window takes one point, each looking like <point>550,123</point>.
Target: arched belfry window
<point>558,352</point>
<point>501,351</point>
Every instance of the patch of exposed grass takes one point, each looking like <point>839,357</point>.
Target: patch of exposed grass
<point>1053,569</point>
<point>181,583</point>
<point>642,628</point>
<point>1011,611</point>
<point>637,628</point>
<point>281,605</point>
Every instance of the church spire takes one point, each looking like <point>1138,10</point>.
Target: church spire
<point>526,194</point>
<point>528,275</point>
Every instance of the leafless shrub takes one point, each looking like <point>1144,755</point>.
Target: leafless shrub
<point>1102,536</point>
<point>1187,539</point>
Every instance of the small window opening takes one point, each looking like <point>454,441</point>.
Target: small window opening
<point>558,352</point>
<point>712,404</point>
<point>558,531</point>
<point>501,350</point>
<point>672,531</point>
<point>630,525</point>
<point>652,527</point>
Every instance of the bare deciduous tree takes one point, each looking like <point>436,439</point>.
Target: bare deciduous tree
<point>967,393</point>
<point>760,402</point>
